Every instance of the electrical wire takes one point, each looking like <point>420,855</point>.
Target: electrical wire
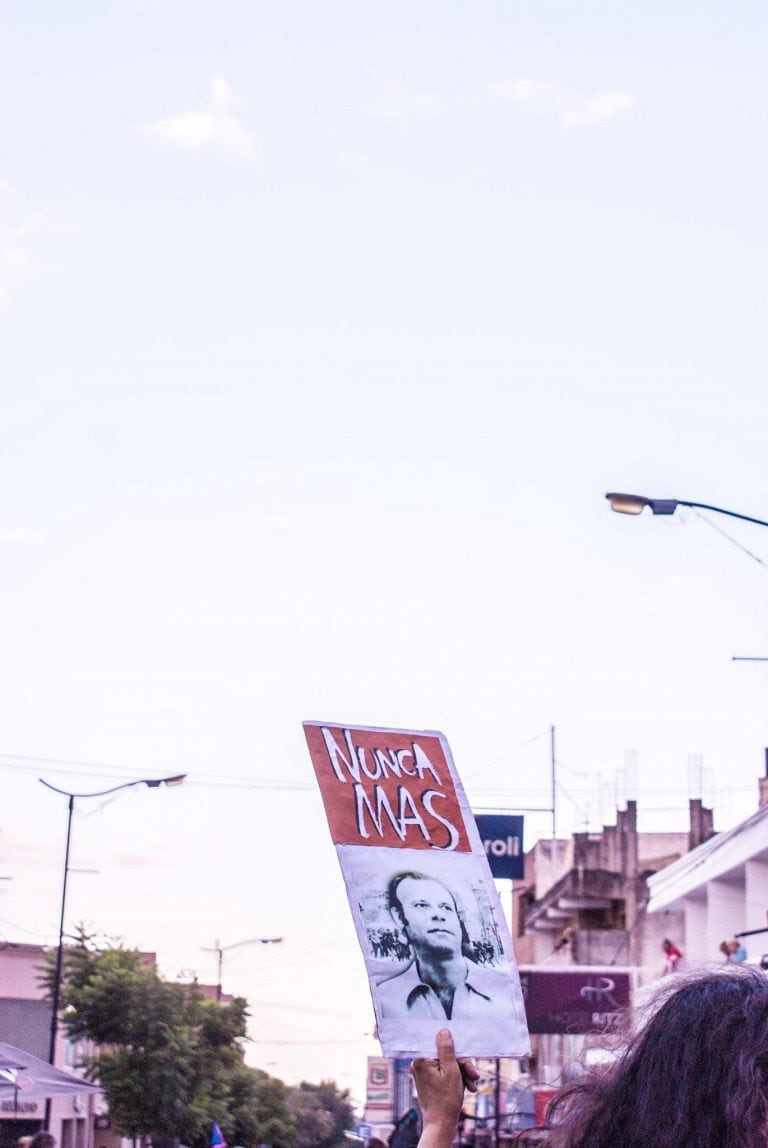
<point>730,538</point>
<point>28,763</point>
<point>507,753</point>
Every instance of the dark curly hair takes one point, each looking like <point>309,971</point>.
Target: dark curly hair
<point>694,1076</point>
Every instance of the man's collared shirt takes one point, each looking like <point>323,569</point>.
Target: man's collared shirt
<point>406,995</point>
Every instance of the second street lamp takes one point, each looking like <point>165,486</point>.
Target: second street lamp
<point>152,783</point>
<point>220,950</point>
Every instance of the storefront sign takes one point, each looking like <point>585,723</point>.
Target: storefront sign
<point>502,837</point>
<point>380,1083</point>
<point>575,1000</point>
<point>28,1107</point>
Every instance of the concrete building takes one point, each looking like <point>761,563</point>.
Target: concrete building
<point>25,1020</point>
<point>719,890</point>
<point>582,901</point>
<point>581,910</point>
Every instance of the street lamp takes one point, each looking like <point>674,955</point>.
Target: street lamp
<point>636,504</point>
<point>220,950</point>
<point>152,783</point>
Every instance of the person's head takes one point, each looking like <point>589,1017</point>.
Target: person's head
<point>43,1140</point>
<point>695,1074</point>
<point>667,945</point>
<point>428,914</point>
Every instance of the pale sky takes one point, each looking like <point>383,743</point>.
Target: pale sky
<point>325,327</point>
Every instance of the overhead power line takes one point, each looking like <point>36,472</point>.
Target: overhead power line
<point>28,763</point>
<point>508,753</point>
<point>57,765</point>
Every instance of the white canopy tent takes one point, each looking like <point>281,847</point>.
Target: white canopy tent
<point>25,1075</point>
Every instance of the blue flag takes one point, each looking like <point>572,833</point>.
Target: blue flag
<point>217,1138</point>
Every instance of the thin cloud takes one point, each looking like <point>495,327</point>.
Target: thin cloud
<point>396,102</point>
<point>561,102</point>
<point>26,239</point>
<point>538,93</point>
<point>160,856</point>
<point>20,536</point>
<point>214,128</point>
<point>597,108</point>
<point>15,262</point>
<point>270,476</point>
<point>271,520</point>
<point>19,253</point>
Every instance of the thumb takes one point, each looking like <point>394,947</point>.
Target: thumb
<point>445,1050</point>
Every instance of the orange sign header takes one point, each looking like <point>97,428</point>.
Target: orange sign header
<point>390,788</point>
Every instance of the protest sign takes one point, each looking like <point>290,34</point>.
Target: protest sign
<point>427,914</point>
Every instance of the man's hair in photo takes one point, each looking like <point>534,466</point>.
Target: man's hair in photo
<point>696,1073</point>
<point>395,906</point>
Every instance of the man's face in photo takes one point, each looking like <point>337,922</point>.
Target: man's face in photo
<point>429,916</point>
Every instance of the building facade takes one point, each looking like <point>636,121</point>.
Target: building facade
<point>582,901</point>
<point>583,937</point>
<point>720,891</point>
<point>78,1121</point>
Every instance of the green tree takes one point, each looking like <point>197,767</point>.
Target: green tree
<point>168,1059</point>
<point>322,1114</point>
<point>260,1110</point>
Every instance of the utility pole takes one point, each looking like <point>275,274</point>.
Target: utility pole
<point>497,1102</point>
<point>151,783</point>
<point>553,762</point>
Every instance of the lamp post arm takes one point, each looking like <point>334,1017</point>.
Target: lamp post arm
<point>152,782</point>
<point>254,941</point>
<point>720,510</point>
<point>100,793</point>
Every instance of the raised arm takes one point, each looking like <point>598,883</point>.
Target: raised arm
<point>440,1085</point>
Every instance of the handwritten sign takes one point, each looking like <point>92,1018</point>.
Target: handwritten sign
<point>385,787</point>
<point>426,911</point>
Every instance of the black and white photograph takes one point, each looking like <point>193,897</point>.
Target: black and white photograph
<point>436,948</point>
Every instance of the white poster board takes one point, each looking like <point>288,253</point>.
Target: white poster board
<point>427,914</point>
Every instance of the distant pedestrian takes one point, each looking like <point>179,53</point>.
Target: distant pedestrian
<point>674,961</point>
<point>733,951</point>
<point>565,939</point>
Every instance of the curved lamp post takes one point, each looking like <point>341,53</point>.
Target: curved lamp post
<point>636,504</point>
<point>152,783</point>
